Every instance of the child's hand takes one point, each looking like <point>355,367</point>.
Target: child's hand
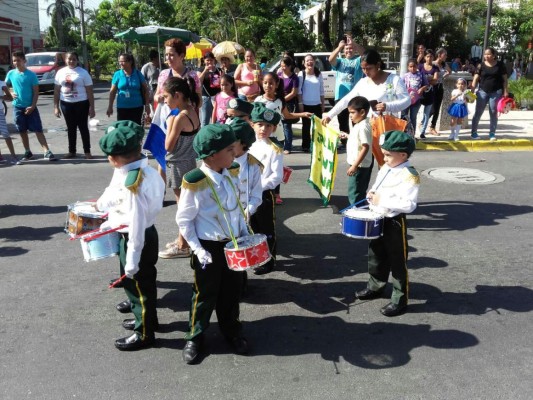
<point>352,170</point>
<point>373,198</point>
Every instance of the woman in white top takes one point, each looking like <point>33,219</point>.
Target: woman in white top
<point>386,92</point>
<point>73,96</point>
<point>310,97</point>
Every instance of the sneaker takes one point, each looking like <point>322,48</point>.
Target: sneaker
<point>422,136</point>
<point>279,201</point>
<point>28,155</point>
<point>50,156</point>
<point>175,252</point>
<point>456,137</point>
<point>492,137</point>
<point>451,137</point>
<point>68,156</point>
<point>474,135</point>
<point>15,161</point>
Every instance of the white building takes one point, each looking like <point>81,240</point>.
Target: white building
<point>19,28</point>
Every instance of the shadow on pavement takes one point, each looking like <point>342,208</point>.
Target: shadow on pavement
<point>10,210</point>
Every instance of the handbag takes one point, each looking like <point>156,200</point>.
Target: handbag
<point>381,124</point>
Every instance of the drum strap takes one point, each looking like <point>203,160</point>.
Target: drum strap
<point>217,200</point>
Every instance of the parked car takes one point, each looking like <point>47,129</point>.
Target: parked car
<point>322,63</point>
<point>45,65</point>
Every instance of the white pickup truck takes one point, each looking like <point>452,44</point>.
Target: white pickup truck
<point>322,63</point>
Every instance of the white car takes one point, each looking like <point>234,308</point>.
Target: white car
<point>322,63</point>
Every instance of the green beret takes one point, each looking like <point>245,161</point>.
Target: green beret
<point>241,105</point>
<point>122,137</point>
<point>243,131</point>
<point>397,141</point>
<point>263,114</point>
<point>213,138</point>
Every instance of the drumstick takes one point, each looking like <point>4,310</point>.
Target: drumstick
<point>117,281</point>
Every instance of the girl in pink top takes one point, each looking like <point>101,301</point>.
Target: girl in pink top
<point>228,91</point>
<point>248,76</point>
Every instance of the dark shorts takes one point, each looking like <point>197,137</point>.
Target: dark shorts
<point>25,123</point>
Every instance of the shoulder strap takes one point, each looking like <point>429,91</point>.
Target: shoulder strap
<point>195,180</point>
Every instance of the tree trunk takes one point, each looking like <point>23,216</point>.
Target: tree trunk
<point>326,39</point>
<point>59,22</point>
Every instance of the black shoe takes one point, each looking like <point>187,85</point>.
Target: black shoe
<point>129,324</point>
<point>118,285</point>
<point>240,345</point>
<point>124,307</point>
<point>134,342</point>
<point>392,310</point>
<point>264,269</point>
<point>367,294</point>
<point>191,351</point>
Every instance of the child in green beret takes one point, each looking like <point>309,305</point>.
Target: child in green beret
<point>270,154</point>
<point>134,198</point>
<point>393,195</point>
<point>239,108</point>
<point>208,217</point>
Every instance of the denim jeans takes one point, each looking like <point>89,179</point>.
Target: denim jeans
<point>287,131</point>
<point>412,113</point>
<point>425,118</point>
<point>481,102</point>
<point>206,111</point>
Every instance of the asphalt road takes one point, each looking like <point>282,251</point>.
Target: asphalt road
<point>467,334</point>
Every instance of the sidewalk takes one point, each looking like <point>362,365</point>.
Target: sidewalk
<point>514,133</point>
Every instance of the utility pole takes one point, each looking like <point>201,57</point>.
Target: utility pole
<point>487,26</point>
<point>83,41</point>
<point>408,34</point>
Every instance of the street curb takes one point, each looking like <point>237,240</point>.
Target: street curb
<point>477,145</point>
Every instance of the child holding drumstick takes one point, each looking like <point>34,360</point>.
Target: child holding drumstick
<point>394,194</point>
<point>134,198</point>
<point>209,217</point>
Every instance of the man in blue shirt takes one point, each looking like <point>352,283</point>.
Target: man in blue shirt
<point>349,72</point>
<point>25,113</point>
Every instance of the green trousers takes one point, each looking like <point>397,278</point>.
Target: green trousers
<point>358,184</point>
<point>388,255</point>
<point>215,288</point>
<point>141,289</point>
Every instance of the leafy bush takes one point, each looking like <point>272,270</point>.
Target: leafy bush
<point>522,89</point>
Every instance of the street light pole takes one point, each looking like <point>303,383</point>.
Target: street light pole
<point>408,34</point>
<point>83,41</point>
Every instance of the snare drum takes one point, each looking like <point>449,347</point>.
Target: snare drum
<point>251,251</point>
<point>286,174</point>
<point>100,244</point>
<point>82,217</point>
<point>362,224</point>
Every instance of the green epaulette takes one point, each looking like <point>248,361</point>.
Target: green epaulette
<point>134,180</point>
<point>254,161</point>
<point>278,148</point>
<point>234,169</point>
<point>413,175</point>
<point>195,180</point>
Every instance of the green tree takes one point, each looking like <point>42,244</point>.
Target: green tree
<point>60,11</point>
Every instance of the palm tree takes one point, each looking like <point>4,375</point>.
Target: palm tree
<point>59,11</point>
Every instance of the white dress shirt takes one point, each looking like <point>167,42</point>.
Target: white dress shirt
<point>249,185</point>
<point>200,217</point>
<point>136,211</point>
<point>397,188</point>
<point>271,156</point>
